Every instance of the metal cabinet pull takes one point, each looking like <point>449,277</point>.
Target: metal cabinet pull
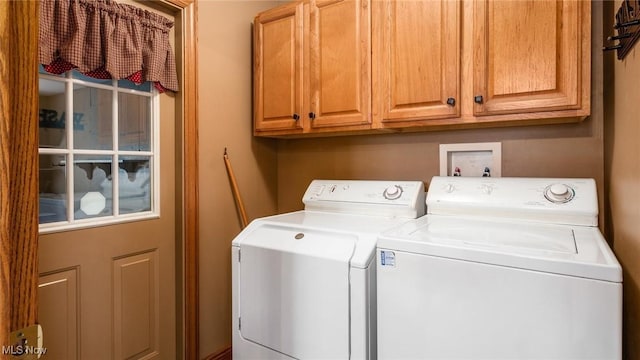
<point>478,99</point>
<point>312,115</point>
<point>451,101</point>
<point>296,117</point>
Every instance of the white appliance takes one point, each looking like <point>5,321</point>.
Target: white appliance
<point>500,268</point>
<point>304,282</point>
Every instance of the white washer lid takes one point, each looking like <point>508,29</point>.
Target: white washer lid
<point>501,236</point>
<point>567,250</point>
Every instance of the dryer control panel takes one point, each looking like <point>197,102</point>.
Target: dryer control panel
<point>369,197</point>
<point>549,200</point>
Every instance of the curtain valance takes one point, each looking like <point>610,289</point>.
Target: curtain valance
<point>104,39</point>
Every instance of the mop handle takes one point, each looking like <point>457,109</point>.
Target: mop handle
<point>236,191</point>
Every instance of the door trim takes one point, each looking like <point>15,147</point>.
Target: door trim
<point>190,176</point>
<point>18,166</point>
<point>185,12</point>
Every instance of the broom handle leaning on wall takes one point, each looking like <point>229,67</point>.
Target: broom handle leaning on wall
<point>236,191</point>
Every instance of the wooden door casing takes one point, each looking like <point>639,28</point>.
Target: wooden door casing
<point>18,166</point>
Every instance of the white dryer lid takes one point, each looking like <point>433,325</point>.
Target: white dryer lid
<point>277,232</point>
<point>566,250</point>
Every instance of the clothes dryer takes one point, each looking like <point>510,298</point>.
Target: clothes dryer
<point>304,282</point>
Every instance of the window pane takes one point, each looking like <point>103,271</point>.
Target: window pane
<point>92,186</point>
<point>53,188</point>
<point>83,140</point>
<point>134,122</point>
<point>134,181</point>
<point>92,118</point>
<point>52,114</point>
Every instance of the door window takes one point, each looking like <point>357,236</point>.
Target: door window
<point>98,150</point>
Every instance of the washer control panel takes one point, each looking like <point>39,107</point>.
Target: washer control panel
<point>392,198</point>
<point>550,200</point>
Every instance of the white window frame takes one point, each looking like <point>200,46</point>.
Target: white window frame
<point>69,152</point>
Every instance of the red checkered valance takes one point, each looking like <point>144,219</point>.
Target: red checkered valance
<point>104,39</point>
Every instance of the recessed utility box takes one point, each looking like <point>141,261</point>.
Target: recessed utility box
<point>473,159</point>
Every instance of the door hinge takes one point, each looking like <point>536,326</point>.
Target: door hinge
<point>239,323</point>
<point>239,255</point>
<point>25,344</point>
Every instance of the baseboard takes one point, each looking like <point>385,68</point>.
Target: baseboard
<point>222,355</point>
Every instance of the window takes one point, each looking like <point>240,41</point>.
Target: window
<point>98,151</point>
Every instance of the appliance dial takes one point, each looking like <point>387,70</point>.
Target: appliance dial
<point>559,193</point>
<point>392,192</point>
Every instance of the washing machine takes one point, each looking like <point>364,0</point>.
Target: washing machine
<point>500,268</point>
<point>303,283</point>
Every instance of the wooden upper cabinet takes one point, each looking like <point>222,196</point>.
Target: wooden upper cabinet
<point>346,66</point>
<point>339,63</point>
<point>312,67</point>
<point>278,69</point>
<point>416,60</point>
<point>531,56</point>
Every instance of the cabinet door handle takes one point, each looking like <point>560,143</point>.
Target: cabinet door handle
<point>312,115</point>
<point>478,99</point>
<point>295,117</point>
<point>451,101</point>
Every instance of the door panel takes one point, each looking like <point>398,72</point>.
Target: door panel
<point>278,68</point>
<point>340,63</point>
<point>419,61</point>
<point>58,309</point>
<point>135,304</point>
<point>527,61</point>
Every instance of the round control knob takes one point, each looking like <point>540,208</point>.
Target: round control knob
<point>559,193</point>
<point>392,192</point>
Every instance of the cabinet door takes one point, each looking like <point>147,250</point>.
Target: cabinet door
<point>278,68</point>
<point>339,63</point>
<point>417,59</point>
<point>529,55</point>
